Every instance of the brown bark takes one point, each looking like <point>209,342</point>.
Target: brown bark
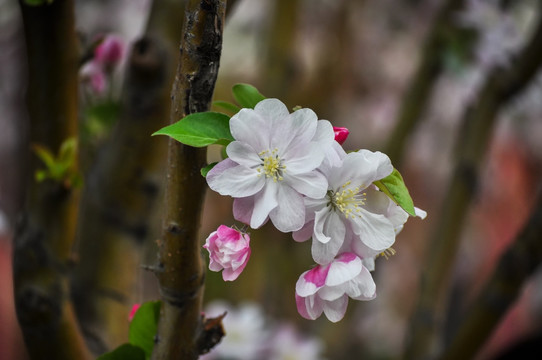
<point>180,269</point>
<point>43,242</point>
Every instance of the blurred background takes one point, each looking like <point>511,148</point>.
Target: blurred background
<point>353,62</point>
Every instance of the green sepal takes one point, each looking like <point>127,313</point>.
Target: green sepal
<point>247,95</point>
<point>232,108</point>
<point>124,352</point>
<point>394,186</point>
<point>206,169</point>
<point>200,129</point>
<point>144,326</point>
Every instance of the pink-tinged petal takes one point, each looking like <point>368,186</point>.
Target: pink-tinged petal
<point>227,233</point>
<point>109,52</point>
<point>374,230</point>
<point>312,184</point>
<point>335,229</point>
<point>362,287</point>
<point>214,265</point>
<point>249,127</point>
<point>310,281</point>
<point>320,218</point>
<point>341,134</point>
<point>309,307</point>
<point>264,202</point>
<point>243,154</point>
<point>289,215</point>
<point>420,213</point>
<point>230,274</point>
<point>335,310</point>
<point>341,272</point>
<point>238,181</point>
<point>304,233</point>
<point>242,209</point>
<point>303,158</point>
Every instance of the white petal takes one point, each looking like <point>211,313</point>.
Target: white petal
<point>310,307</point>
<point>335,229</point>
<point>243,208</point>
<point>324,134</point>
<point>361,169</point>
<point>420,213</point>
<point>305,232</point>
<point>384,167</point>
<point>243,154</point>
<point>272,109</point>
<point>330,293</point>
<point>236,181</point>
<point>341,272</point>
<point>264,202</point>
<point>335,310</point>
<point>289,215</point>
<point>312,184</point>
<point>362,287</point>
<point>375,230</point>
<point>249,127</point>
<point>301,159</point>
<point>320,218</point>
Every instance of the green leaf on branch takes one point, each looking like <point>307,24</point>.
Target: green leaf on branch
<point>247,95</point>
<point>144,326</point>
<point>207,168</point>
<point>232,108</point>
<point>200,129</point>
<point>394,186</point>
<point>124,352</point>
<point>60,168</point>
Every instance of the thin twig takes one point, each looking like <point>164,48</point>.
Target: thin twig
<point>478,121</point>
<point>181,281</point>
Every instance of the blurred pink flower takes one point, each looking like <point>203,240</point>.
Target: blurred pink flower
<point>135,307</point>
<point>327,288</point>
<point>93,74</point>
<point>229,250</point>
<point>341,133</point>
<point>110,51</point>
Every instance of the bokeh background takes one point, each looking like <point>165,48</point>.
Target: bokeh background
<point>352,62</point>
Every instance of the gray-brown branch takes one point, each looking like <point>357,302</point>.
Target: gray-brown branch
<point>478,122</point>
<point>180,269</point>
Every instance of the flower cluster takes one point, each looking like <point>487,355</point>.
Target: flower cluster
<point>291,169</point>
<point>107,55</point>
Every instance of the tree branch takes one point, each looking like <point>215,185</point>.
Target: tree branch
<point>418,93</point>
<point>118,201</point>
<point>478,121</point>
<point>44,238</point>
<point>180,269</point>
<point>515,266</point>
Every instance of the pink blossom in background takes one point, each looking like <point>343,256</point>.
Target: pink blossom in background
<point>93,75</point>
<point>110,51</point>
<point>135,307</point>
<point>327,288</point>
<point>341,133</point>
<point>229,250</point>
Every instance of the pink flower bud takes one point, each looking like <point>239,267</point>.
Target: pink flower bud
<point>109,52</point>
<point>229,249</point>
<point>135,307</point>
<point>341,133</point>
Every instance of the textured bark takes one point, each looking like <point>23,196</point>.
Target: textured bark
<point>180,269</point>
<point>515,267</point>
<point>43,242</point>
<point>118,202</point>
<point>478,122</point>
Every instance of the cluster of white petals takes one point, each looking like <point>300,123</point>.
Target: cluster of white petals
<point>287,167</point>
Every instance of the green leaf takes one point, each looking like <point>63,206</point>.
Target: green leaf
<point>234,109</point>
<point>200,129</point>
<point>143,326</point>
<point>206,169</point>
<point>394,186</point>
<point>45,155</point>
<point>124,352</point>
<point>247,95</point>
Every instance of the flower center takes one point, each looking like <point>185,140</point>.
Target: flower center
<point>271,165</point>
<point>347,200</point>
